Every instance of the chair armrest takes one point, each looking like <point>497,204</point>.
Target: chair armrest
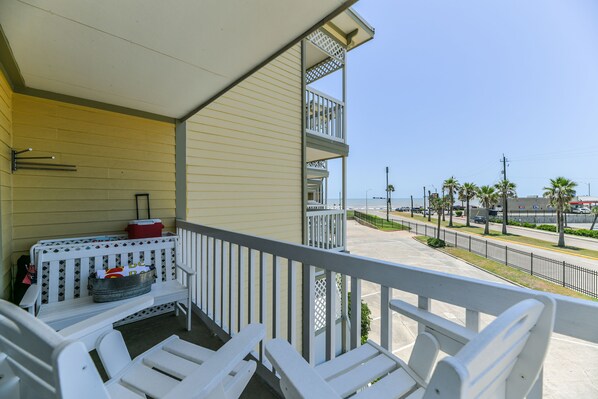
<point>186,269</point>
<point>30,298</point>
<point>451,336</point>
<point>298,378</point>
<point>90,329</point>
<point>214,370</point>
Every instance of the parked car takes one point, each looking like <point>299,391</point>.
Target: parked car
<point>479,219</point>
<point>584,210</point>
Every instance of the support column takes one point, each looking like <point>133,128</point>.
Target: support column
<point>344,202</point>
<point>181,170</point>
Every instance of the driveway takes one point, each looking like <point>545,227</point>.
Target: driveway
<point>571,368</point>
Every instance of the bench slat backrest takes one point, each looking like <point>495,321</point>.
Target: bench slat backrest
<point>65,269</point>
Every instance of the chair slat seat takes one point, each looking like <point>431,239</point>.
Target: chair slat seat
<point>396,385</point>
<point>362,374</point>
<point>149,381</point>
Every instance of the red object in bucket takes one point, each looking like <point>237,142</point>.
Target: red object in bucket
<point>145,228</point>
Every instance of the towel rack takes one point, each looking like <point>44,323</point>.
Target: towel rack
<point>20,162</point>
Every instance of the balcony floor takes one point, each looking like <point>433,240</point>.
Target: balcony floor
<point>142,335</point>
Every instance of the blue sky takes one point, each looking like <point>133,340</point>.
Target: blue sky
<point>446,87</point>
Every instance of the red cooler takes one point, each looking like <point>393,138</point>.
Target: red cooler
<point>145,228</point>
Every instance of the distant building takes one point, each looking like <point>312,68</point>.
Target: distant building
<point>528,204</point>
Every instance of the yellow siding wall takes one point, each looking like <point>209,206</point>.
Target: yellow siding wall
<point>116,156</point>
<point>244,155</point>
<point>6,96</point>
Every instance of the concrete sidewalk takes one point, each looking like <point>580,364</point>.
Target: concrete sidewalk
<point>571,369</point>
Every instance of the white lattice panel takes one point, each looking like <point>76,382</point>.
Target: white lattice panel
<point>327,45</point>
<point>320,302</point>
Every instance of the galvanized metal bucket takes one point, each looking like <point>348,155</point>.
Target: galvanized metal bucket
<point>115,289</point>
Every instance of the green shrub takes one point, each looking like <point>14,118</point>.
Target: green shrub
<point>366,318</point>
<point>547,227</point>
<point>436,243</point>
<point>458,213</point>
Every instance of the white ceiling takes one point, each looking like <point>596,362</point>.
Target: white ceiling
<point>162,57</point>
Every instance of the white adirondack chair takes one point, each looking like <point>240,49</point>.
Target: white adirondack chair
<point>503,361</point>
<point>37,362</point>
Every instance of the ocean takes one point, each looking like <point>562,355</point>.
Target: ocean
<point>360,203</point>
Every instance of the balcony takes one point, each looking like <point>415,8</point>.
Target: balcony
<point>324,126</point>
<point>242,278</point>
<point>325,227</point>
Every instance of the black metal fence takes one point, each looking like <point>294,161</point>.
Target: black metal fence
<point>575,277</point>
<point>379,222</point>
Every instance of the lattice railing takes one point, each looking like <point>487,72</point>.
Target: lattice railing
<point>320,301</point>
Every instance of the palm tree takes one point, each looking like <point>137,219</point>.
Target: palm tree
<point>595,213</point>
<point>488,196</point>
<point>390,189</point>
<point>559,194</point>
<point>467,192</point>
<point>506,189</point>
<point>452,185</point>
<point>438,203</point>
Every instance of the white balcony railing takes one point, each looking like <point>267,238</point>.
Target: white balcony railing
<point>325,228</point>
<point>324,115</point>
<point>241,279</point>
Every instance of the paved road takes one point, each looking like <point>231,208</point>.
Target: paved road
<point>580,242</point>
<point>571,368</point>
<point>589,263</point>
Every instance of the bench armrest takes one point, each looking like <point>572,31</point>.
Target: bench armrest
<point>186,269</point>
<point>89,330</point>
<point>451,336</point>
<point>30,298</point>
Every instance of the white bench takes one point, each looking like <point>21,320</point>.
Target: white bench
<point>61,296</point>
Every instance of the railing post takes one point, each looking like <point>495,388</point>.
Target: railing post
<point>469,243</point>
<point>291,302</point>
<point>424,304</point>
<point>486,249</point>
<point>355,312</point>
<point>472,320</point>
<point>345,313</point>
<point>531,263</point>
<point>330,314</point>
<point>564,273</point>
<point>537,389</point>
<point>309,274</point>
<point>506,255</point>
<point>386,318</point>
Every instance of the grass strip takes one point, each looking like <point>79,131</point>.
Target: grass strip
<point>509,273</point>
<point>381,224</point>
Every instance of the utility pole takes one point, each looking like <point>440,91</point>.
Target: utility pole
<point>412,206</point>
<point>589,189</point>
<point>387,192</point>
<point>443,218</point>
<point>505,209</point>
<point>429,210</point>
<point>424,210</point>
